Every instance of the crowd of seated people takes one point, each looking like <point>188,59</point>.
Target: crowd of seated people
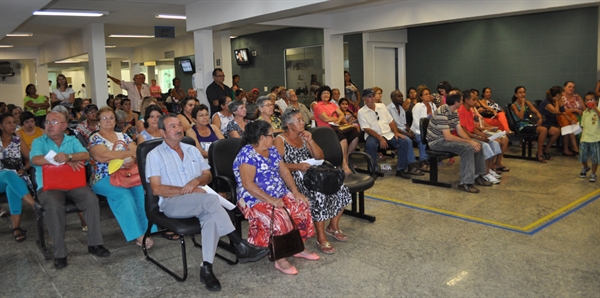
<point>277,142</point>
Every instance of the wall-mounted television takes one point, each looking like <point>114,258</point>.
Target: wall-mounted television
<point>186,65</point>
<point>242,56</point>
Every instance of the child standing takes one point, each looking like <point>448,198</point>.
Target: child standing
<point>590,137</point>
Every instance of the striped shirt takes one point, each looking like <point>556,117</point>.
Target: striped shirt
<point>165,162</point>
<point>442,119</point>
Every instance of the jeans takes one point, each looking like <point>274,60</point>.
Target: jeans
<point>471,163</point>
<point>422,154</point>
<point>404,147</point>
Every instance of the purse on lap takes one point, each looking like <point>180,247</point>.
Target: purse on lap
<point>326,178</point>
<point>285,245</point>
<point>125,177</point>
<point>62,177</point>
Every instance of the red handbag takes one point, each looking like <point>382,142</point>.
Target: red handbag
<point>126,178</point>
<point>62,177</point>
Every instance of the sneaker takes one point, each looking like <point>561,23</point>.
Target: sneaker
<point>491,179</point>
<point>584,171</point>
<point>493,173</point>
<point>593,178</point>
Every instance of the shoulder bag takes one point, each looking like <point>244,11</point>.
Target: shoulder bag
<point>326,178</point>
<point>285,245</point>
<point>126,178</point>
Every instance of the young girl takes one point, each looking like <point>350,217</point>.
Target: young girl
<point>350,116</point>
<point>590,137</point>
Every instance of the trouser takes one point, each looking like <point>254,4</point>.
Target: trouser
<point>15,189</point>
<point>127,204</point>
<point>471,163</point>
<point>53,202</point>
<point>402,145</point>
<point>422,147</point>
<point>214,220</point>
<point>499,121</point>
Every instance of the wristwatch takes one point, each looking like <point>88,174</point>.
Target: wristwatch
<point>70,157</point>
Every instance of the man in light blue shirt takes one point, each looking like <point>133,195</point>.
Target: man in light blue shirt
<point>70,151</point>
<point>176,172</point>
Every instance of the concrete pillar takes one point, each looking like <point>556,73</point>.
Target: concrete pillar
<point>115,71</point>
<point>42,79</point>
<point>333,62</point>
<point>151,75</point>
<point>95,47</point>
<point>222,50</point>
<point>134,68</point>
<point>203,50</point>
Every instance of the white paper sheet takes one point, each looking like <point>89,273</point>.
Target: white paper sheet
<point>573,128</point>
<point>312,162</point>
<point>496,135</point>
<point>224,202</point>
<point>50,158</point>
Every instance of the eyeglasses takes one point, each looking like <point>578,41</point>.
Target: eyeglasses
<point>92,112</point>
<point>112,118</point>
<point>269,135</point>
<point>377,116</point>
<point>53,122</point>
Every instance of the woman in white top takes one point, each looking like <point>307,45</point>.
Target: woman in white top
<point>224,116</point>
<point>62,91</point>
<point>423,109</point>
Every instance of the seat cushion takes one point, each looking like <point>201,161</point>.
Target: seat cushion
<point>358,182</point>
<point>442,154</point>
<point>180,226</point>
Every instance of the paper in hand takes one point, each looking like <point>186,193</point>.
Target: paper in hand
<point>50,158</point>
<point>224,202</point>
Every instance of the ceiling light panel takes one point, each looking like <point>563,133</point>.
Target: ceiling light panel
<point>170,16</point>
<point>70,13</point>
<point>20,34</point>
<point>131,36</point>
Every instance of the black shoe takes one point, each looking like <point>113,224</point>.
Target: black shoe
<point>481,181</point>
<point>208,278</point>
<point>60,263</point>
<point>247,252</point>
<point>379,174</point>
<point>402,174</point>
<point>99,251</point>
<point>468,188</point>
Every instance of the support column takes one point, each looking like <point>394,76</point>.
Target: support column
<point>94,44</point>
<point>203,50</point>
<point>223,52</point>
<point>151,75</point>
<point>134,68</point>
<point>333,62</point>
<point>115,71</point>
<point>42,79</point>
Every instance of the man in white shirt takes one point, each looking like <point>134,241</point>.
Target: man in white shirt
<point>381,132</point>
<point>136,90</point>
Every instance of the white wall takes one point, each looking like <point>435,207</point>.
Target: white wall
<point>11,89</point>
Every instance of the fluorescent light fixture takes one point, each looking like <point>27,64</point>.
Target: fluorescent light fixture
<point>110,47</point>
<point>20,34</point>
<point>6,46</point>
<point>70,13</point>
<point>170,16</point>
<point>131,36</point>
<point>67,61</point>
<point>232,36</point>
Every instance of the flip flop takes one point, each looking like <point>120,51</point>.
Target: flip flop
<point>503,169</point>
<point>169,235</point>
<point>21,236</point>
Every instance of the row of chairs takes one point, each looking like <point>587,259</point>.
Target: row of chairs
<point>221,156</point>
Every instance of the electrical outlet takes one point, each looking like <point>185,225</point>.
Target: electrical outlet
<point>266,88</point>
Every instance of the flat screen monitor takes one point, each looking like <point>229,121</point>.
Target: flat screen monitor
<point>242,56</point>
<point>186,65</point>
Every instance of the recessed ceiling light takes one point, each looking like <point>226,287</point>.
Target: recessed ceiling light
<point>70,13</point>
<point>6,46</point>
<point>20,34</point>
<point>170,16</point>
<point>131,36</point>
<point>110,47</point>
<point>67,61</point>
<point>232,36</point>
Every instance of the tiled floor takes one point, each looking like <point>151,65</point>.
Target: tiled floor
<point>449,243</point>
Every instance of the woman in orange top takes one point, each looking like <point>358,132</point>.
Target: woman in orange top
<point>28,131</point>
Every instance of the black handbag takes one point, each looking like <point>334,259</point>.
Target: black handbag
<point>11,163</point>
<point>326,178</point>
<point>285,245</point>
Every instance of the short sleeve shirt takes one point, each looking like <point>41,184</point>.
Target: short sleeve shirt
<point>63,95</point>
<point>43,145</point>
<point>328,108</point>
<point>165,162</point>
<point>442,119</point>
<point>466,119</point>
<point>398,114</point>
<point>591,127</point>
<point>377,120</point>
<point>100,169</point>
<point>267,174</point>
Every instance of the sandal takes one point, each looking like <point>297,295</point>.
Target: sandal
<point>149,243</point>
<point>169,235</point>
<point>84,228</point>
<point>505,169</point>
<point>451,161</point>
<point>306,255</point>
<point>541,158</point>
<point>547,156</point>
<point>326,247</point>
<point>21,236</point>
<point>338,235</point>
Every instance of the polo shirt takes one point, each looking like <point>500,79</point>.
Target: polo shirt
<point>214,92</point>
<point>466,118</point>
<point>442,119</point>
<point>43,145</point>
<point>377,120</point>
<point>165,162</point>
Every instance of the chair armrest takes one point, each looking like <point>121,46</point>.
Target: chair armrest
<point>368,159</point>
<point>230,184</point>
